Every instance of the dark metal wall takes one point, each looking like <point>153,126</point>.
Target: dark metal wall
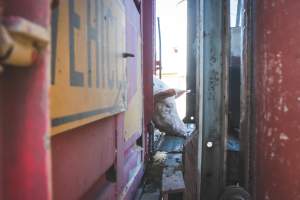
<point>192,44</point>
<point>148,41</point>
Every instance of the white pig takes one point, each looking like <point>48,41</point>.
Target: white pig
<point>165,116</point>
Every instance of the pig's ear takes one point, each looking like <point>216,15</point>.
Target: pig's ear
<point>179,92</point>
<point>165,94</point>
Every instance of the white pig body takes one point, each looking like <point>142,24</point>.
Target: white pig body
<point>165,114</point>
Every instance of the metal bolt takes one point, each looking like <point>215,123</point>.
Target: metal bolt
<point>209,144</point>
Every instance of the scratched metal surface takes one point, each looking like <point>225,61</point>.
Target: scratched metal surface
<point>277,60</point>
<point>214,98</point>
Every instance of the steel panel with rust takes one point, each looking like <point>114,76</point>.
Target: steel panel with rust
<point>130,124</point>
<point>277,72</point>
<point>148,56</point>
<point>212,95</point>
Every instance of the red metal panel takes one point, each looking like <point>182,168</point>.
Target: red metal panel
<point>123,164</point>
<point>120,152</point>
<point>25,133</point>
<point>1,139</point>
<point>129,157</point>
<point>81,156</point>
<point>148,40</point>
<point>26,157</point>
<point>277,84</point>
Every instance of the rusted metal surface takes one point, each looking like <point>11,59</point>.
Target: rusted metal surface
<point>148,38</point>
<point>128,164</point>
<point>277,59</point>
<point>192,44</point>
<point>130,124</point>
<point>26,149</point>
<point>1,137</point>
<point>247,122</point>
<point>190,167</point>
<point>25,132</point>
<point>214,66</point>
<point>82,156</point>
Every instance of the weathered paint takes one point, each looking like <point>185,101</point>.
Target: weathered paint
<point>88,74</point>
<point>1,138</point>
<point>191,61</point>
<point>247,124</point>
<point>277,60</point>
<point>148,55</point>
<point>134,114</point>
<point>81,156</point>
<point>129,173</point>
<point>130,124</point>
<point>213,65</point>
<point>26,151</point>
<point>92,149</point>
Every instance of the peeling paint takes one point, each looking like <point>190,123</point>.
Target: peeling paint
<point>267,196</point>
<point>272,155</point>
<point>269,132</point>
<point>283,136</point>
<point>285,108</point>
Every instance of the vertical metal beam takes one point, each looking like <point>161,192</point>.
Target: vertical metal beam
<point>159,47</point>
<point>277,72</point>
<point>247,138</point>
<point>238,13</point>
<point>148,40</point>
<point>25,131</point>
<point>191,60</point>
<point>1,138</point>
<point>213,69</point>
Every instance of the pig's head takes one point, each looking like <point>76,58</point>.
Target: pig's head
<point>165,114</point>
